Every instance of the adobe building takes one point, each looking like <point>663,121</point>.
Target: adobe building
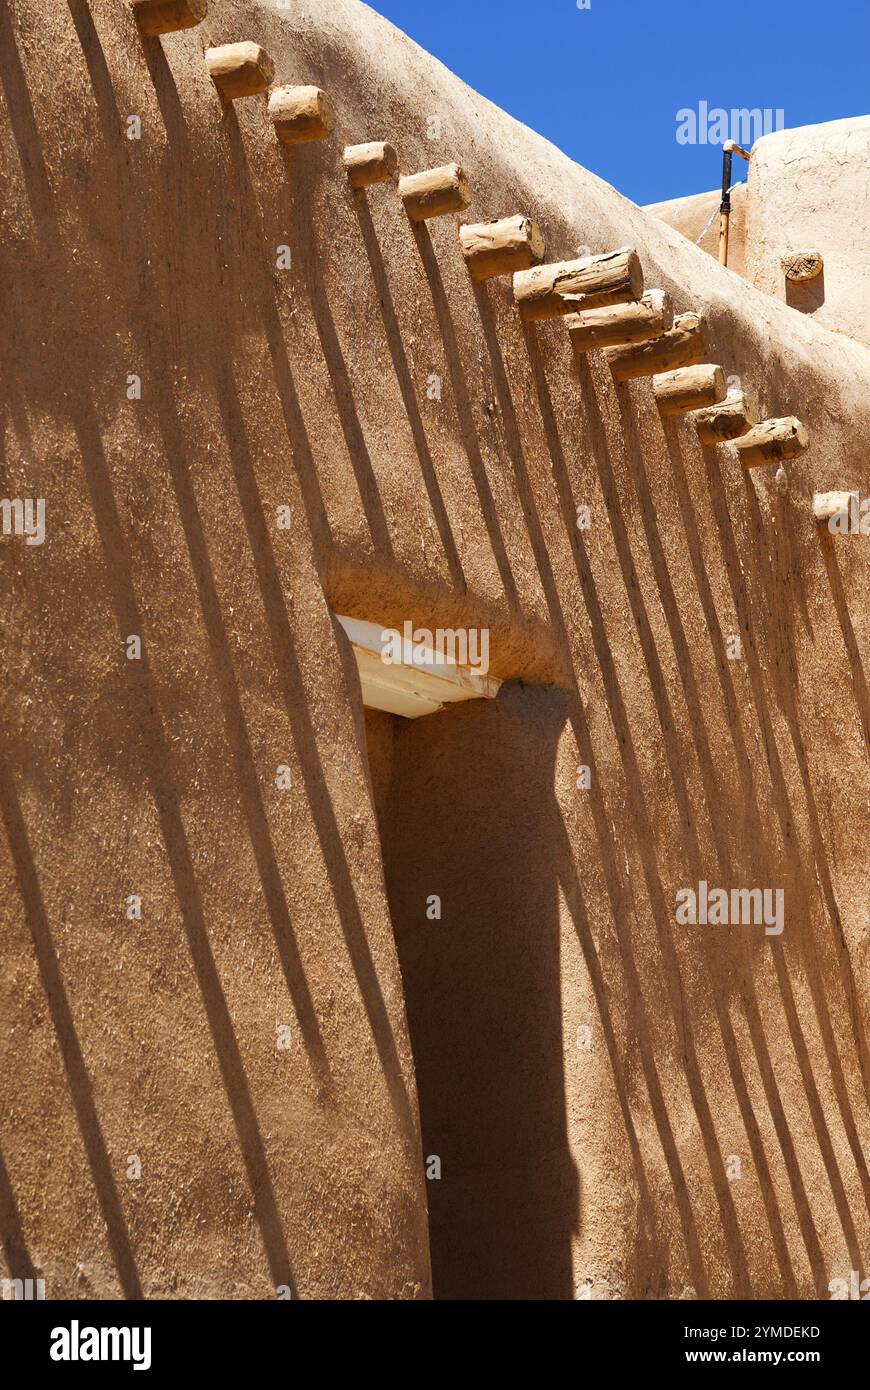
<point>799,221</point>
<point>539,971</point>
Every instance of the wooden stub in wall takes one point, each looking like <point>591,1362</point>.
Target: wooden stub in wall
<point>773,441</point>
<point>728,419</point>
<point>374,162</point>
<point>239,69</point>
<point>301,114</point>
<point>501,248</point>
<point>620,324</point>
<point>167,16</point>
<point>567,287</point>
<point>682,346</point>
<point>689,388</point>
<point>435,192</point>
<point>802,265</point>
<point>830,504</point>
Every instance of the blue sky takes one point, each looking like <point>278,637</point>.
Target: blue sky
<point>605,83</point>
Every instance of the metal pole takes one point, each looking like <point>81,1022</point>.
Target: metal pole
<point>725,206</point>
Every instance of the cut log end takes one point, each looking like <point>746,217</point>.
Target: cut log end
<point>565,287</point>
<point>689,388</point>
<point>501,248</point>
<point>435,192</point>
<point>156,17</point>
<point>375,162</point>
<point>239,69</point>
<point>773,441</point>
<point>827,505</point>
<point>620,324</point>
<point>301,114</point>
<point>728,419</point>
<point>683,345</point>
<point>802,265</point>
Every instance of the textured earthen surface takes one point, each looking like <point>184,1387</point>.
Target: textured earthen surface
<point>807,196</point>
<point>808,188</point>
<point>697,217</point>
<point>585,1067</point>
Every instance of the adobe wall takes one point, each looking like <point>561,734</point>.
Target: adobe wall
<point>808,188</point>
<point>697,217</point>
<point>263,907</point>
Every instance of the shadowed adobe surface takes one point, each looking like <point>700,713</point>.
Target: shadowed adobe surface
<point>585,1065</point>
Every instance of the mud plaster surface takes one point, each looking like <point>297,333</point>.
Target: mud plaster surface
<point>602,1166</point>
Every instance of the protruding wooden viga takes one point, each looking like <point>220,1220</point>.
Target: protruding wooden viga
<point>548,291</point>
<point>374,162</point>
<point>501,248</point>
<point>166,16</point>
<point>773,441</point>
<point>239,69</point>
<point>688,388</point>
<point>435,192</point>
<point>726,420</point>
<point>827,505</point>
<point>803,265</point>
<point>682,346</point>
<point>617,324</point>
<point>300,114</point>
